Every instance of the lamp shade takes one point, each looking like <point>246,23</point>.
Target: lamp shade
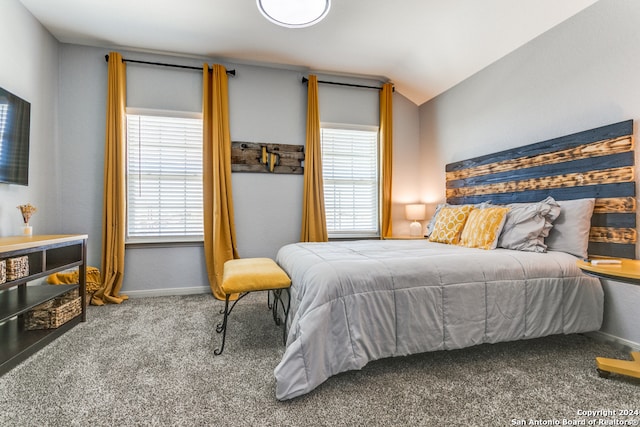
<point>416,212</point>
<point>294,13</point>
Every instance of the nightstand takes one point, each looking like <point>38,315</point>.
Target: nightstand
<point>627,271</point>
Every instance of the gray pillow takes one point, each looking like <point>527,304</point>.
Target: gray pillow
<point>570,231</point>
<point>528,224</point>
<point>432,221</point>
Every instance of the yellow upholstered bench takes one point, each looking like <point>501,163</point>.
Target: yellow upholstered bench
<point>242,276</point>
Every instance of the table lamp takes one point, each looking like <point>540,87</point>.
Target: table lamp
<point>415,213</point>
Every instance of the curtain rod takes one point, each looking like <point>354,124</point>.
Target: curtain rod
<point>162,64</point>
<point>305,80</point>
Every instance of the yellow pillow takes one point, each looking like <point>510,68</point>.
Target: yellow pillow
<point>449,224</point>
<point>483,228</point>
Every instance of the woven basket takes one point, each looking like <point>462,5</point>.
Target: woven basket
<point>3,271</point>
<point>54,313</point>
<point>17,267</point>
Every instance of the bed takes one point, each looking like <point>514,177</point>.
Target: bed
<point>354,302</point>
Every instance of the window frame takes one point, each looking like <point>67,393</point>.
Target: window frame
<point>156,240</point>
<point>352,234</point>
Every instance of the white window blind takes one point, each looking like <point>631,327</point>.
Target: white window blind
<point>350,175</point>
<point>164,178</point>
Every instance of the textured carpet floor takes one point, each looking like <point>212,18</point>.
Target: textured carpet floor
<point>150,361</point>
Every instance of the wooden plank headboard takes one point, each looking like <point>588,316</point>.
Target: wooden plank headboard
<point>595,163</point>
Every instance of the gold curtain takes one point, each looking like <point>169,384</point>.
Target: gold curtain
<point>386,143</point>
<point>114,198</point>
<point>314,223</point>
<point>219,226</point>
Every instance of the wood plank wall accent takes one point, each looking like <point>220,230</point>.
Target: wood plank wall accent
<point>247,157</point>
<point>595,163</point>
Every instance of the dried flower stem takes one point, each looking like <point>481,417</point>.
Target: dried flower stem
<point>27,210</point>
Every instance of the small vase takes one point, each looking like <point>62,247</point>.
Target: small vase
<point>27,230</point>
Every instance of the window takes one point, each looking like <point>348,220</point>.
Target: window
<point>164,177</point>
<point>350,175</point>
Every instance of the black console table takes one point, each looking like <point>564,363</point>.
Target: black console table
<point>46,254</point>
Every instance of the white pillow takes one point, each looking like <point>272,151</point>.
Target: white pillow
<point>570,232</point>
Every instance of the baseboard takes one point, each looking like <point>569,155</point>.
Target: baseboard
<point>146,293</point>
<point>603,336</point>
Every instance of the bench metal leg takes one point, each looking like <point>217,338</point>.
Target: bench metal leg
<point>274,306</point>
<point>222,327</point>
<point>269,304</point>
<point>277,295</point>
<point>286,316</point>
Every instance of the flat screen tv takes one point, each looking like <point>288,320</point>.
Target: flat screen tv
<point>15,118</point>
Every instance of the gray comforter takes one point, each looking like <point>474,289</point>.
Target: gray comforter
<point>354,302</point>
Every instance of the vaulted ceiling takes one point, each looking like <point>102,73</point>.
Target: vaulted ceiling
<point>423,46</point>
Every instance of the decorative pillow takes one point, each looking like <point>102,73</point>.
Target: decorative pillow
<point>551,214</point>
<point>449,224</point>
<point>570,231</point>
<point>434,218</point>
<point>483,227</point>
<point>528,224</point>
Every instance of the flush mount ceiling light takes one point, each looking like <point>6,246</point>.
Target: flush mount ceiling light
<point>294,13</point>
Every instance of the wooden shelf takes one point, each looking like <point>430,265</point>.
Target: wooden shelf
<point>47,254</point>
<point>22,299</point>
<point>18,344</point>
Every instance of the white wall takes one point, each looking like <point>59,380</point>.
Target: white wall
<point>29,69</point>
<point>580,75</point>
<point>81,152</point>
<point>407,164</point>
<point>265,105</point>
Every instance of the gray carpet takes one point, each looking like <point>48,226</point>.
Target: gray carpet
<point>150,361</point>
